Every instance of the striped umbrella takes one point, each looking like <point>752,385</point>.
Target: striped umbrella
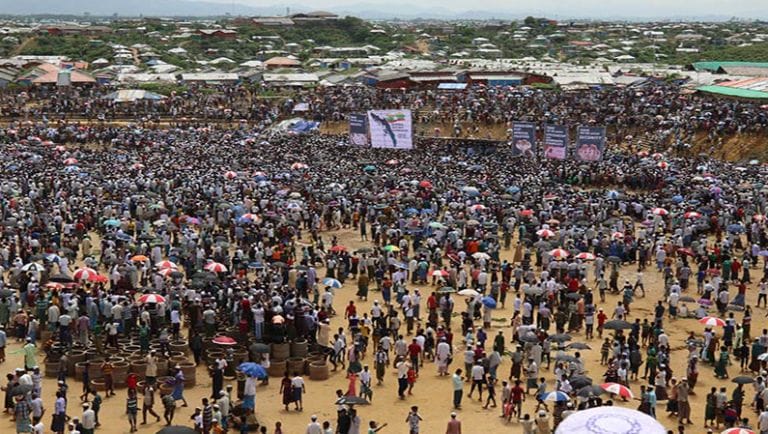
<point>617,389</point>
<point>738,430</point>
<point>712,321</point>
<point>659,211</point>
<point>230,174</point>
<point>545,233</point>
<point>70,161</point>
<point>166,265</point>
<point>585,256</point>
<point>559,253</point>
<point>215,267</point>
<point>692,215</point>
<point>85,273</point>
<point>333,283</point>
<point>556,396</point>
<point>151,298</point>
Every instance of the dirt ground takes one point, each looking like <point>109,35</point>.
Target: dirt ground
<point>432,394</point>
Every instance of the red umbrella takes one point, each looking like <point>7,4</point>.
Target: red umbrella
<point>215,267</point>
<point>692,215</point>
<point>686,251</point>
<point>712,321</point>
<point>545,233</point>
<point>660,211</point>
<point>584,256</point>
<point>425,184</point>
<point>85,273</point>
<point>166,264</point>
<point>224,340</point>
<point>526,212</point>
<point>338,249</point>
<point>560,253</point>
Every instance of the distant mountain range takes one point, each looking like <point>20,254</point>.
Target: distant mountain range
<point>202,8</point>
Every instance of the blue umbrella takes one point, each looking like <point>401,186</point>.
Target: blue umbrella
<point>112,222</point>
<point>613,194</point>
<point>513,189</point>
<point>489,302</point>
<point>369,168</point>
<point>333,283</point>
<point>735,229</point>
<point>256,265</point>
<point>411,211</point>
<point>252,370</point>
<point>677,198</point>
<point>556,396</point>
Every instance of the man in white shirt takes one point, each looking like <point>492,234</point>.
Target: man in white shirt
<point>314,426</point>
<point>88,420</point>
<point>762,422</point>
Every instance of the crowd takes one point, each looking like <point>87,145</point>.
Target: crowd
<point>237,231</point>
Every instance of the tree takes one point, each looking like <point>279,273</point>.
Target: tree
<point>530,21</point>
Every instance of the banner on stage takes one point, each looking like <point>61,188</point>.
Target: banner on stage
<point>590,143</point>
<point>555,141</point>
<point>391,129</point>
<point>358,129</point>
<point>523,139</point>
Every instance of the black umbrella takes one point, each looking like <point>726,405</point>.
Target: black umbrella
<point>529,337</point>
<point>687,299</point>
<point>613,259</point>
<point>6,292</point>
<point>573,296</point>
<point>591,390</point>
<point>61,278</point>
<point>580,381</point>
<point>578,346</point>
<point>560,337</point>
<point>617,324</point>
<point>352,400</point>
<point>566,358</point>
<point>177,429</point>
<point>176,274</point>
<point>446,290</point>
<point>21,389</point>
<point>743,379</point>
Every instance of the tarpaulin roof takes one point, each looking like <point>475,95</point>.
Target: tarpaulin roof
<point>734,91</point>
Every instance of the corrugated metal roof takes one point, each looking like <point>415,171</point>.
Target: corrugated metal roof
<point>734,91</point>
<point>715,65</point>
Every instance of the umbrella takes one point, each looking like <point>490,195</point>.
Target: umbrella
<point>659,211</point>
<point>687,299</point>
<point>440,273</point>
<point>437,225</point>
<point>556,396</point>
<point>712,321</point>
<point>692,215</point>
<point>139,258</point>
<point>545,233</point>
<point>112,222</point>
<point>735,228</point>
<point>566,358</point>
<point>21,389</point>
<point>533,290</point>
<point>617,389</point>
<point>338,249</point>
<point>215,267</point>
<point>352,400</point>
<point>579,381</point>
<point>166,264</point>
<point>33,266</point>
<point>578,346</point>
<point>529,337</point>
<point>617,324</point>
<point>737,430</point>
<point>224,340</point>
<point>7,292</point>
<point>391,248</point>
<point>85,273</point>
<point>481,255</point>
<point>60,278</point>
<point>252,370</point>
<point>612,420</point>
<point>573,296</point>
<point>177,429</point>
<point>560,337</point>
<point>743,379</point>
<point>560,253</point>
<point>585,256</point>
<point>259,348</point>
<point>469,293</point>
<point>489,302</point>
<point>446,290</point>
<point>591,390</point>
<point>151,298</point>
<point>333,283</point>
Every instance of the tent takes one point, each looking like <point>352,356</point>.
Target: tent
<point>132,95</point>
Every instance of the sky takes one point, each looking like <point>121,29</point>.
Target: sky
<point>756,9</point>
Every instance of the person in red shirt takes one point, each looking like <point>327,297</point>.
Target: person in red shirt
<point>351,310</point>
<point>517,395</point>
<point>414,351</point>
<point>601,318</point>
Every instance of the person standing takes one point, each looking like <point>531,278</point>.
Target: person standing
<point>88,419</point>
<point>458,389</point>
<point>413,419</point>
<point>314,426</point>
<point>169,407</point>
<point>106,370</point>
<point>147,404</point>
<point>22,412</point>
<point>402,377</point>
<point>683,406</point>
<point>131,408</point>
<point>298,389</point>
<point>454,425</point>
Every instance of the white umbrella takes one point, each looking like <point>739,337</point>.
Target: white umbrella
<point>469,293</point>
<point>610,420</point>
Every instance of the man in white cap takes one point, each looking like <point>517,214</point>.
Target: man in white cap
<point>314,427</point>
<point>454,425</point>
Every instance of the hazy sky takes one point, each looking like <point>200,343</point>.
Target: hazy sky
<point>657,8</point>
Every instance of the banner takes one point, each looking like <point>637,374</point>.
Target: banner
<point>358,129</point>
<point>391,129</point>
<point>590,142</point>
<point>523,139</point>
<point>555,141</point>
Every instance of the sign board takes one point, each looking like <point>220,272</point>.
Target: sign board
<point>391,129</point>
<point>590,143</point>
<point>523,139</point>
<point>555,141</point>
<point>358,129</point>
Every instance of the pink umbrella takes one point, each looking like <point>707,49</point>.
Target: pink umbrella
<point>712,321</point>
<point>692,215</point>
<point>224,340</point>
<point>230,174</point>
<point>70,161</point>
<point>215,267</point>
<point>617,389</point>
